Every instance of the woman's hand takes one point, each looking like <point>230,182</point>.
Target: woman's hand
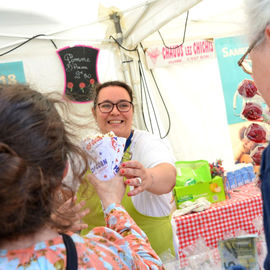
<point>137,176</point>
<point>111,191</point>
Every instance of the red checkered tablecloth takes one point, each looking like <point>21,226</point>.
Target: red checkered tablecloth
<point>221,219</point>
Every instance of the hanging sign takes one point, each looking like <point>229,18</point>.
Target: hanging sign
<point>80,66</point>
<point>189,51</point>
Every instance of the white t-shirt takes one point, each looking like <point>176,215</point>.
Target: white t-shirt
<point>150,151</point>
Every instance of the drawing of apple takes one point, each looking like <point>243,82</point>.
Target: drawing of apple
<point>214,187</point>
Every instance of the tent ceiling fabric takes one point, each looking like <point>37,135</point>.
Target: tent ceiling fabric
<point>207,18</point>
<point>158,14</point>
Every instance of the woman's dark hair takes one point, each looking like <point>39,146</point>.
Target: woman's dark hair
<point>35,145</point>
<point>111,83</point>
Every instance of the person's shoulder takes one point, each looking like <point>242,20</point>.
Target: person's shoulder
<point>267,149</point>
<point>138,133</point>
<point>147,139</point>
<point>265,156</point>
<point>141,132</point>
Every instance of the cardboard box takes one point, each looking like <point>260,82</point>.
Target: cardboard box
<point>213,191</point>
<point>192,171</point>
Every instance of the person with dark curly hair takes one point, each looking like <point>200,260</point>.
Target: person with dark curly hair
<point>36,144</point>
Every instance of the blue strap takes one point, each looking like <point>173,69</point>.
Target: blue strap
<point>128,141</point>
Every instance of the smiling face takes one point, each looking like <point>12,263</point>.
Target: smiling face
<point>118,122</point>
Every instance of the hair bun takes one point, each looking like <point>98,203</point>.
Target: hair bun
<point>4,148</point>
<point>11,165</point>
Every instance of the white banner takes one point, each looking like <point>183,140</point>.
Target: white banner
<point>189,51</point>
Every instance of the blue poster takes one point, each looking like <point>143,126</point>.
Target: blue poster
<point>246,111</point>
<point>11,73</point>
<point>229,51</point>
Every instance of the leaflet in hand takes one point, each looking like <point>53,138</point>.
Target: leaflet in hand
<point>105,154</point>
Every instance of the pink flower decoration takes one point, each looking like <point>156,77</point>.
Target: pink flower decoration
<point>70,86</point>
<point>82,85</point>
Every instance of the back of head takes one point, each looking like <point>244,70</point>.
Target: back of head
<point>258,17</point>
<point>34,148</point>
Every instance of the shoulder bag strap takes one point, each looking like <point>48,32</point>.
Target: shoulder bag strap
<point>72,258</point>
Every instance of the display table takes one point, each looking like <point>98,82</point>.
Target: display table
<point>221,219</point>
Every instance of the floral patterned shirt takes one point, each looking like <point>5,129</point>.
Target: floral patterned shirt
<point>120,245</point>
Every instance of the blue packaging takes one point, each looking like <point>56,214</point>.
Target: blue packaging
<point>231,180</point>
<point>227,184</point>
<point>251,173</point>
<point>245,175</point>
<point>239,178</point>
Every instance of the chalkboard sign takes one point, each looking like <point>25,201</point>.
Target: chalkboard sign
<point>80,66</point>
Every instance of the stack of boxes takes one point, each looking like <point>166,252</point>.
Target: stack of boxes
<point>243,174</point>
<point>194,181</point>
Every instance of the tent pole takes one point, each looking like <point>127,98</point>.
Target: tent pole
<point>125,60</point>
<point>116,20</point>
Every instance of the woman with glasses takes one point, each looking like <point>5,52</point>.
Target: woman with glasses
<point>147,165</point>
<point>256,61</point>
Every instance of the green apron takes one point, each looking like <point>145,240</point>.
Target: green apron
<point>158,229</point>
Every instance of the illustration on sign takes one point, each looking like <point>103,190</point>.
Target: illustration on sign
<point>80,66</point>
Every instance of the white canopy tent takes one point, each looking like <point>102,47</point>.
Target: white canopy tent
<point>188,103</point>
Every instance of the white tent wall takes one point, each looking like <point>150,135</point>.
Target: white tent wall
<point>194,97</point>
<point>192,91</point>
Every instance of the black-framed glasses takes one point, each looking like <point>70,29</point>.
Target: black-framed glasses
<point>122,106</point>
<point>245,62</point>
